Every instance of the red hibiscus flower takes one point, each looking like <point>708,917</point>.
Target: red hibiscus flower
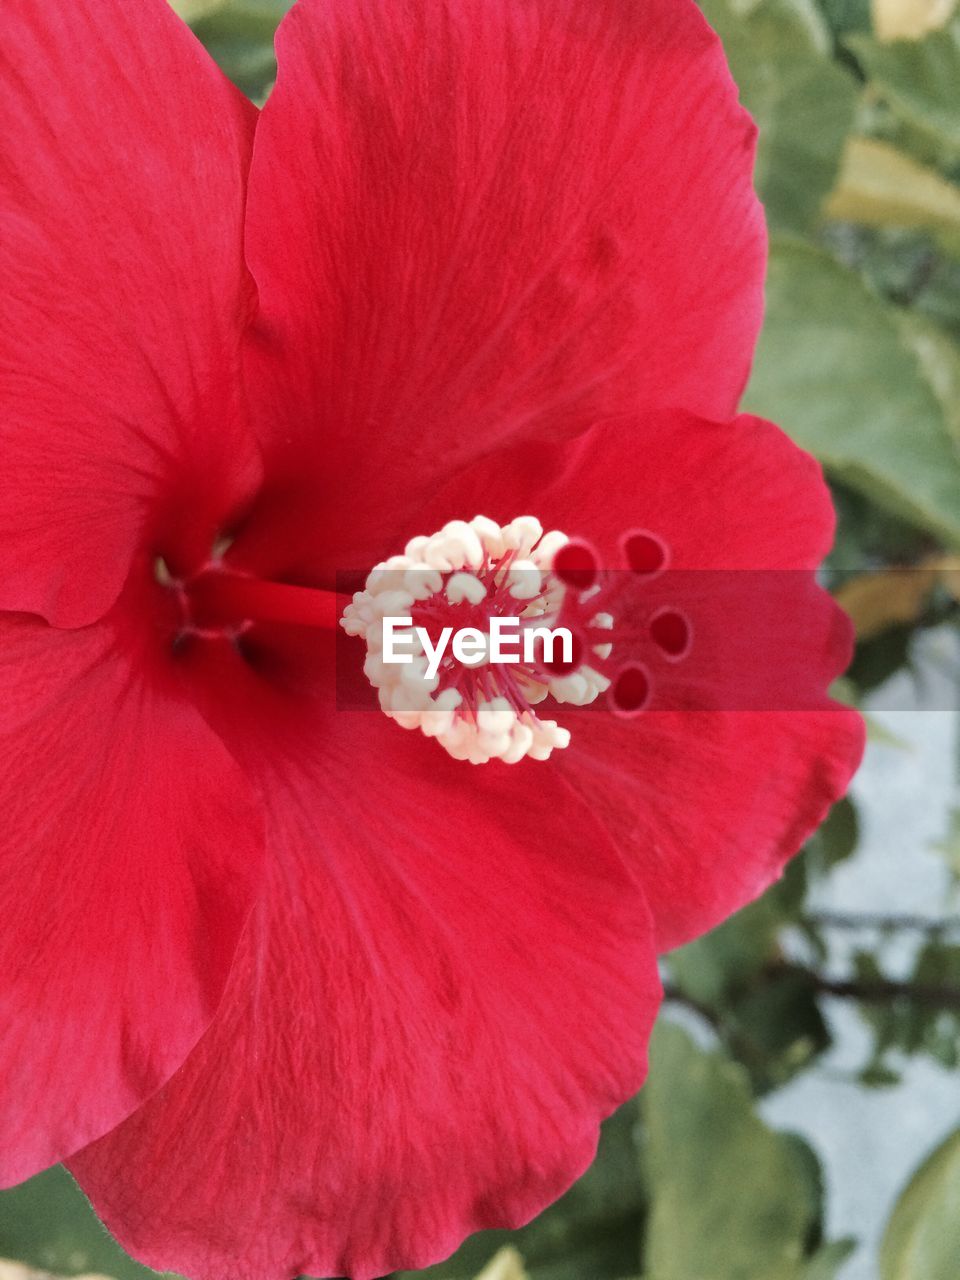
<point>291,989</point>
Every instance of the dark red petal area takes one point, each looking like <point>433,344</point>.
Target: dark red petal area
<point>450,981</point>
<point>122,173</point>
<point>707,805</point>
<point>128,855</point>
<point>473,221</point>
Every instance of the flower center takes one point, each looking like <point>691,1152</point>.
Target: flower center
<point>470,579</point>
<point>539,617</point>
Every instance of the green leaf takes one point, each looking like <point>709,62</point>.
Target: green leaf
<point>238,34</point>
<point>722,962</point>
<point>778,1029</point>
<point>826,1264</point>
<point>921,1018</point>
<point>732,1199</point>
<point>803,101</point>
<point>922,1240</point>
<point>836,840</point>
<point>939,358</point>
<point>876,660</point>
<point>840,371</point>
<point>766,1012</point>
<point>847,15</point>
<point>48,1223</point>
<point>868,536</point>
<point>919,78</point>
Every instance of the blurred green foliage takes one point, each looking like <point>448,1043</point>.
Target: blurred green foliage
<point>858,166</point>
<point>852,378</point>
<point>802,100</point>
<point>239,35</point>
<point>729,1196</point>
<point>921,1239</point>
<point>918,78</point>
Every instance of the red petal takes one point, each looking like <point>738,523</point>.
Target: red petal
<point>478,221</point>
<point>706,805</point>
<point>450,982</point>
<point>734,495</point>
<point>122,175</point>
<point>127,862</point>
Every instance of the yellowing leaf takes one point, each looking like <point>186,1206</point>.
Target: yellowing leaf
<point>191,10</point>
<point>16,1271</point>
<point>892,597</point>
<point>909,19</point>
<point>880,185</point>
<point>895,597</point>
<point>506,1265</point>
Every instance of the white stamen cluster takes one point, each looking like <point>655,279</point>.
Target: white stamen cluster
<point>457,566</point>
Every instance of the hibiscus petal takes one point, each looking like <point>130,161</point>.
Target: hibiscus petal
<point>706,805</point>
<point>722,495</point>
<point>128,861</point>
<point>479,220</point>
<point>709,806</point>
<point>122,172</point>
<point>450,982</point>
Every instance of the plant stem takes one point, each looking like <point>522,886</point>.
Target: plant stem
<point>891,923</point>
